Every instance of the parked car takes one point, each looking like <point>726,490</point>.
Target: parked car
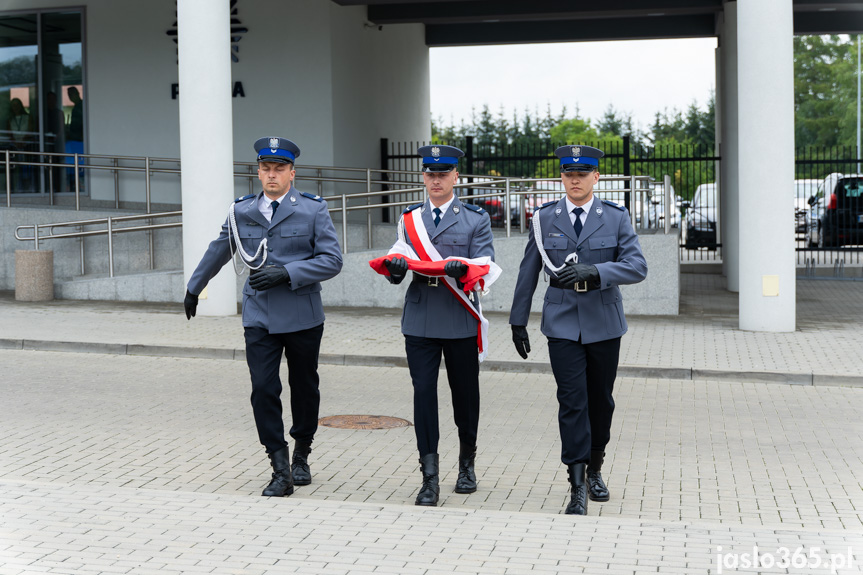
<point>803,190</point>
<point>658,202</point>
<point>835,216</point>
<point>699,230</point>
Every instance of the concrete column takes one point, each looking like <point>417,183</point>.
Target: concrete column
<point>729,192</point>
<point>765,75</point>
<point>206,140</point>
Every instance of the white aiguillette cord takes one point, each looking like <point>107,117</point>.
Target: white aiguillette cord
<point>234,234</point>
<point>537,238</point>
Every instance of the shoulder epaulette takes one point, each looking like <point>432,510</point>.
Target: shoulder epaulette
<point>312,196</point>
<point>474,208</point>
<point>240,199</point>
<point>546,204</point>
<point>613,205</point>
<point>413,207</point>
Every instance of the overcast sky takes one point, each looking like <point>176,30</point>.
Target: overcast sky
<point>640,77</point>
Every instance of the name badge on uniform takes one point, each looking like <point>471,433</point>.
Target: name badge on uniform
<point>551,235</point>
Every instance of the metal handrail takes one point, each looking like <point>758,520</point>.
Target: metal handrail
<point>109,231</point>
<point>494,187</point>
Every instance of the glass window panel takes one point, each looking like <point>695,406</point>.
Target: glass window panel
<point>63,92</point>
<point>19,120</point>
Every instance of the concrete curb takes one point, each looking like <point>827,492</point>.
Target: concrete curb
<point>632,371</point>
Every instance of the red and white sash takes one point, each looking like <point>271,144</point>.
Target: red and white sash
<point>421,248</point>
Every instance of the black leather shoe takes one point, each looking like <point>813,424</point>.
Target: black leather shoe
<point>596,488</point>
<point>578,490</point>
<point>430,490</point>
<point>300,465</point>
<point>282,483</point>
<point>466,482</point>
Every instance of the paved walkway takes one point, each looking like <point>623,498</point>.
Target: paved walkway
<point>144,459</point>
<point>703,342</point>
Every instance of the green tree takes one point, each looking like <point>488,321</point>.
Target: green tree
<point>825,105</point>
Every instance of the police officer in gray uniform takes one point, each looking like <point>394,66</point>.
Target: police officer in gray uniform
<point>435,322</point>
<point>593,244</point>
<point>293,247</point>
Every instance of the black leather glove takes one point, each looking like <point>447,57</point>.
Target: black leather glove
<point>521,340</point>
<point>455,269</point>
<point>579,273</point>
<point>269,277</point>
<point>398,268</point>
<point>190,303</point>
<point>567,275</point>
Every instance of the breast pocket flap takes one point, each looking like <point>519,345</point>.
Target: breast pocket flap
<point>603,243</point>
<point>554,243</point>
<point>295,231</point>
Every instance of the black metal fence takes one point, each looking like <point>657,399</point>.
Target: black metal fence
<point>828,206</point>
<point>688,165</point>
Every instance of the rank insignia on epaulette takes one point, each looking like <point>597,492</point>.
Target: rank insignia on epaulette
<point>311,196</point>
<point>241,198</point>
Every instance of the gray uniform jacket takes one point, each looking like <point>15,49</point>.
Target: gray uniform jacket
<point>434,312</point>
<point>606,241</point>
<point>302,239</point>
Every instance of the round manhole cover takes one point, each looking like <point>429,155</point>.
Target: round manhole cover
<point>363,422</point>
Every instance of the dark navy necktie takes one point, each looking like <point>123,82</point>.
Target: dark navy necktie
<point>576,225</point>
<point>436,216</point>
<point>275,205</point>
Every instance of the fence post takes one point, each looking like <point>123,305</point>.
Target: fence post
<point>368,203</point>
<point>77,186</point>
<point>669,208</point>
<point>506,210</point>
<point>147,181</point>
<point>385,165</point>
<point>344,224</point>
<point>8,182</point>
<point>626,172</point>
<point>468,153</point>
<point>116,163</point>
<point>110,250</point>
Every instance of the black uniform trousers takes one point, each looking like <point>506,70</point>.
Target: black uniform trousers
<point>585,374</point>
<point>462,370</point>
<point>264,356</point>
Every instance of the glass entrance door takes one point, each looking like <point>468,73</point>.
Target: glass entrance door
<point>19,98</point>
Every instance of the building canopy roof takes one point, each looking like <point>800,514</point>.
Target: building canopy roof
<point>482,22</point>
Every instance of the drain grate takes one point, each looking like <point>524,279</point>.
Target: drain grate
<point>363,422</point>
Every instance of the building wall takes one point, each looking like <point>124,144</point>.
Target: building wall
<point>311,72</point>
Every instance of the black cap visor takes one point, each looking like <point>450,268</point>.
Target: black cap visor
<point>577,168</point>
<point>275,159</point>
<point>439,167</point>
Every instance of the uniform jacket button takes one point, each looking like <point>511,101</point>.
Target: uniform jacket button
<point>269,249</point>
<point>270,234</point>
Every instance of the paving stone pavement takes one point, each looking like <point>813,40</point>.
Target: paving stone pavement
<point>134,464</point>
<point>145,460</point>
<point>703,342</point>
